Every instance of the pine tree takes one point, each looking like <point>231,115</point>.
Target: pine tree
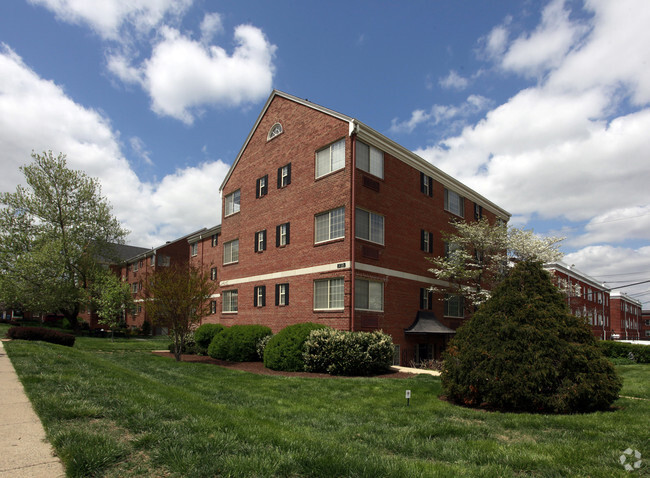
<point>523,351</point>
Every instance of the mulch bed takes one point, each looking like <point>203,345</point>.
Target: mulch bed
<point>260,369</point>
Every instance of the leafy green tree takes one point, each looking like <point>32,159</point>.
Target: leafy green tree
<point>53,231</point>
<point>478,254</point>
<point>111,297</point>
<point>523,351</point>
<point>177,297</point>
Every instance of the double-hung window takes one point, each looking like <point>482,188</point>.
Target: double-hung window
<point>370,159</point>
<point>426,184</point>
<point>229,303</point>
<point>282,294</point>
<point>426,298</point>
<point>426,241</point>
<point>259,296</point>
<point>369,226</point>
<point>231,252</point>
<point>368,295</point>
<point>282,235</point>
<point>215,240</point>
<point>454,306</point>
<point>284,176</point>
<point>262,186</point>
<point>213,307</point>
<point>194,248</point>
<point>330,158</point>
<point>330,225</point>
<point>213,273</point>
<point>328,294</point>
<point>260,241</point>
<point>454,203</point>
<point>232,203</point>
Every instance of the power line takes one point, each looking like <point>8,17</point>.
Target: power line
<point>624,274</point>
<point>630,285</point>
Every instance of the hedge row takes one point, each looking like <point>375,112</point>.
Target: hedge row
<point>203,336</point>
<point>40,333</point>
<point>636,352</point>
<point>348,353</point>
<point>284,351</point>
<point>238,343</point>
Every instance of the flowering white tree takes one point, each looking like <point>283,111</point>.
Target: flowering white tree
<point>478,255</point>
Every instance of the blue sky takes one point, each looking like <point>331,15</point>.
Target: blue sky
<point>542,107</point>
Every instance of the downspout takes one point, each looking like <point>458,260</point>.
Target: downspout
<point>354,127</point>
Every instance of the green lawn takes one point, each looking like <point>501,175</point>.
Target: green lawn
<point>114,409</point>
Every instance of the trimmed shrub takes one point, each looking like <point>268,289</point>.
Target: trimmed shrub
<point>348,353</point>
<point>189,346</point>
<point>284,351</point>
<point>523,351</point>
<point>204,334</point>
<point>612,349</point>
<point>41,333</point>
<point>238,343</point>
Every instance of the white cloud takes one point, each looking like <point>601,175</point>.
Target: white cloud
<point>546,47</point>
<point>454,81</point>
<point>140,150</point>
<point>183,75</point>
<point>108,17</point>
<point>474,104</point>
<point>36,114</point>
<point>616,226</point>
<point>211,25</point>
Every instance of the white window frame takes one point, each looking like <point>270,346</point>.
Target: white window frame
<point>369,217</point>
<point>194,248</point>
<point>333,303</point>
<point>230,301</point>
<point>327,160</point>
<point>458,310</point>
<point>282,294</point>
<point>372,288</point>
<point>329,214</point>
<point>213,273</point>
<point>232,203</point>
<point>450,201</point>
<point>283,234</point>
<point>231,255</point>
<point>284,176</point>
<point>213,307</point>
<point>374,163</point>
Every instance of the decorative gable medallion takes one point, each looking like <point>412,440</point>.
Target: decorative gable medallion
<point>275,130</point>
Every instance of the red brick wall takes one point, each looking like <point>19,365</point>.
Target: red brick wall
<point>619,316</point>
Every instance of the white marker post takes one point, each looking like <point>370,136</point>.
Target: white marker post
<point>408,397</point>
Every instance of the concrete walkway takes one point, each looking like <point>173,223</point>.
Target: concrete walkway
<point>24,450</point>
<point>416,370</point>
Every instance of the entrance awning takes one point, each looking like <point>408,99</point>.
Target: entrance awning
<point>427,323</point>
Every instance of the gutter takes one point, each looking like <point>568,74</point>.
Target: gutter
<point>354,127</point>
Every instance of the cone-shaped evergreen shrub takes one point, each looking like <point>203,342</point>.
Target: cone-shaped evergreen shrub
<point>285,350</point>
<point>523,351</point>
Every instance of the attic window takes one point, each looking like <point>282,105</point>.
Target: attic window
<point>275,130</point>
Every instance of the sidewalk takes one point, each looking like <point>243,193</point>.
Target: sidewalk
<point>24,451</point>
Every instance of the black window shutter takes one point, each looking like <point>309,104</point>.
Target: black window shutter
<point>288,174</point>
<point>422,189</point>
<point>286,294</point>
<point>288,227</point>
<point>263,290</point>
<point>263,239</point>
<point>430,296</point>
<point>256,241</point>
<point>430,242</point>
<point>430,186</point>
<point>277,294</point>
<point>277,237</point>
<point>265,189</point>
<point>422,233</point>
<point>279,178</point>
<point>255,297</point>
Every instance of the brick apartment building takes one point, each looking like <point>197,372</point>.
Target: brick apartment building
<point>645,317</point>
<point>326,220</point>
<point>205,253</point>
<point>586,297</point>
<point>627,322</point>
<point>137,271</point>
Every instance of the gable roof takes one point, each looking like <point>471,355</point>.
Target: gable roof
<point>373,137</point>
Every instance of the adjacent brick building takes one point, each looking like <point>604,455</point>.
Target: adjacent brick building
<point>645,317</point>
<point>586,297</point>
<point>627,321</point>
<point>205,253</point>
<point>326,220</point>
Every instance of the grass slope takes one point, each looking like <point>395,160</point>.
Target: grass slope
<point>113,409</point>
